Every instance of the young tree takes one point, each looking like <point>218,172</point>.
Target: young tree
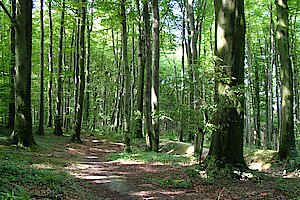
<point>227,140</point>
<point>58,119</point>
<point>50,104</point>
<point>127,79</point>
<point>40,130</point>
<point>141,76</point>
<point>12,105</point>
<point>148,58</point>
<point>155,76</point>
<point>287,148</point>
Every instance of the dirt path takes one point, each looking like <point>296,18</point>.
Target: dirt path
<point>134,180</point>
<point>119,180</point>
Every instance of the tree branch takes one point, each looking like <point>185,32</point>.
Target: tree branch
<point>6,11</point>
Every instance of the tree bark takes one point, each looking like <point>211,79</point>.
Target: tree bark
<point>50,84</point>
<point>141,77</point>
<point>12,106</point>
<point>148,58</point>
<point>227,140</point>
<point>127,79</point>
<point>40,130</point>
<point>58,118</point>
<point>78,124</point>
<point>22,134</point>
<point>287,148</point>
<point>155,76</point>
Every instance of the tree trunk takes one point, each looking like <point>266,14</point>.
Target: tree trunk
<point>287,148</point>
<point>58,119</point>
<point>22,134</point>
<point>127,79</point>
<point>148,58</point>
<point>78,124</point>
<point>50,112</point>
<point>89,30</point>
<point>40,130</point>
<point>227,141</point>
<point>183,110</point>
<point>12,106</point>
<point>141,77</point>
<point>155,76</point>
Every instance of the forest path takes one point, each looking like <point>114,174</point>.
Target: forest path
<point>117,179</point>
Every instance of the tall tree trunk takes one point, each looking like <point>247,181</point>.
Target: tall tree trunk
<point>58,118</point>
<point>227,141</point>
<point>12,106</point>
<point>127,79</point>
<point>40,130</point>
<point>287,148</point>
<point>88,63</point>
<point>183,110</point>
<point>155,76</point>
<point>148,58</point>
<point>141,77</point>
<point>50,84</point>
<point>78,124</point>
<point>22,134</point>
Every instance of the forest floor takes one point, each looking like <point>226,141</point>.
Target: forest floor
<point>97,169</point>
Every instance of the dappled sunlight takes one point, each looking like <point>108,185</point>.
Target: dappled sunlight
<point>260,166</point>
<point>42,166</point>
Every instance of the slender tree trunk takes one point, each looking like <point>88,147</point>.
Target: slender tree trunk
<point>227,141</point>
<point>148,58</point>
<point>141,77</point>
<point>127,79</point>
<point>50,54</point>
<point>22,134</point>
<point>155,76</point>
<point>183,110</point>
<point>58,119</point>
<point>287,148</point>
<point>12,106</point>
<point>88,63</point>
<point>40,130</point>
<point>78,124</point>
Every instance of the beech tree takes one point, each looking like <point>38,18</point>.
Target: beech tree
<point>22,134</point>
<point>287,148</point>
<point>227,139</point>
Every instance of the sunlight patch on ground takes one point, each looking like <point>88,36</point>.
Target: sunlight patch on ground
<point>259,166</point>
<point>126,162</point>
<point>91,157</point>
<point>72,150</point>
<point>41,166</point>
<point>144,194</point>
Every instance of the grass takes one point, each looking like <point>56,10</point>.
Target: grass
<point>151,157</point>
<point>38,172</point>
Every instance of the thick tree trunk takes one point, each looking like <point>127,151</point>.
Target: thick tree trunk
<point>227,141</point>
<point>287,148</point>
<point>58,119</point>
<point>78,124</point>
<point>40,130</point>
<point>127,79</point>
<point>22,134</point>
